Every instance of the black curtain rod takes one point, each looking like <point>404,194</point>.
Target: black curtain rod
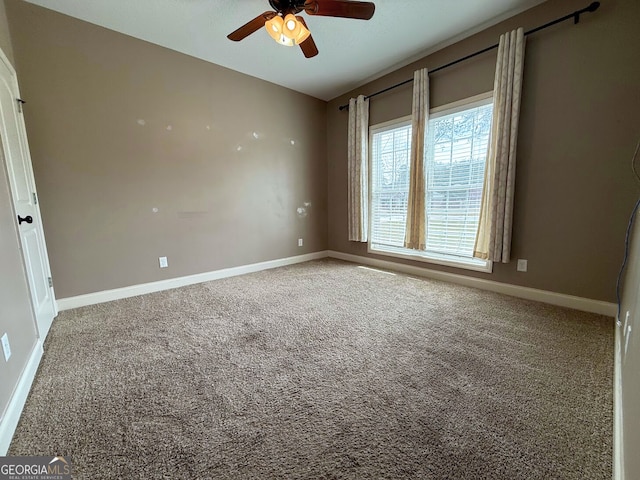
<point>576,18</point>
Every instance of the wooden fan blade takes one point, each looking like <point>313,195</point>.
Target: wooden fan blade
<point>340,8</point>
<point>251,27</point>
<point>308,47</point>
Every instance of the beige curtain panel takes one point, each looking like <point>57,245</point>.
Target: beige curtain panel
<point>416,232</point>
<point>493,241</point>
<point>358,162</point>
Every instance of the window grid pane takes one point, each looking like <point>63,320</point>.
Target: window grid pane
<point>455,163</point>
<point>390,185</point>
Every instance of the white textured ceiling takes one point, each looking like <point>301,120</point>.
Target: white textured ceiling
<point>351,51</point>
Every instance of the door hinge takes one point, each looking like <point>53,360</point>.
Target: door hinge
<point>50,282</point>
<point>35,198</point>
<point>20,103</point>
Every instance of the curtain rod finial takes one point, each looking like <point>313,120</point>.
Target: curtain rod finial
<point>593,7</point>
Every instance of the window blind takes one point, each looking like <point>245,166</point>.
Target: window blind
<point>390,151</point>
<point>455,164</point>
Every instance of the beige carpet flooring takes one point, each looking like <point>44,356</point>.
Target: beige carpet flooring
<point>325,370</point>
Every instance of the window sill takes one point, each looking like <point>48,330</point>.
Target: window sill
<point>474,264</point>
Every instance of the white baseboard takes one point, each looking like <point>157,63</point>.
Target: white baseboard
<point>618,452</point>
<point>10,420</point>
<point>134,290</point>
<point>553,298</point>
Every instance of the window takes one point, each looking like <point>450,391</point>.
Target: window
<point>390,149</point>
<point>457,141</point>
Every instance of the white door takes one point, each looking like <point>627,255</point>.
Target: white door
<point>23,191</point>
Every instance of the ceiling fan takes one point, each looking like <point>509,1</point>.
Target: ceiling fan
<point>288,28</point>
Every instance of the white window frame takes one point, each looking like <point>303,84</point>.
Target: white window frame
<point>475,264</point>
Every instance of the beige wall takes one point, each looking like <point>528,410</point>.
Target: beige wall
<point>5,38</point>
<point>579,122</point>
<point>100,173</point>
<point>16,314</point>
<point>630,359</point>
<point>119,127</point>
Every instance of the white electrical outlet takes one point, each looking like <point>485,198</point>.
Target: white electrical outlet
<point>300,242</point>
<point>522,265</point>
<point>6,348</point>
<point>164,263</point>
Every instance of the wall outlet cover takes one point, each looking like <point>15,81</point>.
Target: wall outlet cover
<point>522,265</point>
<point>300,242</point>
<point>164,263</point>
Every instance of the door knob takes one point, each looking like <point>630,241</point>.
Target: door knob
<point>28,219</point>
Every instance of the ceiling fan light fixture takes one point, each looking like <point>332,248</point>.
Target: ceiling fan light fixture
<point>291,27</point>
<point>276,29</point>
<point>294,31</point>
<point>303,34</point>
<point>286,28</point>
